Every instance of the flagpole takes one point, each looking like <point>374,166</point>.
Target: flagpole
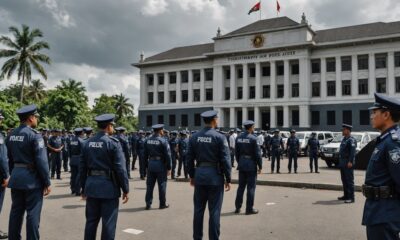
<point>260,8</point>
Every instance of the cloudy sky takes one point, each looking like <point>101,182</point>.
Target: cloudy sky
<point>95,41</point>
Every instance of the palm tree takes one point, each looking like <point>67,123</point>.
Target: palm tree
<point>122,107</point>
<point>73,86</point>
<point>23,54</point>
<point>36,91</point>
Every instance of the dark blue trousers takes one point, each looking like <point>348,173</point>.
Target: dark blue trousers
<point>2,193</point>
<point>173,157</point>
<point>313,161</point>
<point>347,176</point>
<point>213,195</point>
<point>384,231</point>
<point>161,179</point>
<point>65,159</point>
<point>292,159</point>
<point>107,211</point>
<point>246,179</point>
<point>30,201</point>
<point>75,180</point>
<point>142,165</point>
<point>275,156</point>
<point>56,164</point>
<point>128,165</point>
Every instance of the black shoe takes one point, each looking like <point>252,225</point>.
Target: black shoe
<point>278,172</point>
<point>59,178</point>
<point>295,172</point>
<point>237,211</point>
<point>141,178</point>
<point>349,201</point>
<point>342,198</point>
<point>316,172</point>
<point>164,206</point>
<point>252,211</point>
<point>311,171</point>
<point>3,235</point>
<point>290,172</point>
<point>148,207</point>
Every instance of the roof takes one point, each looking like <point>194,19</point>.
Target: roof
<point>183,52</point>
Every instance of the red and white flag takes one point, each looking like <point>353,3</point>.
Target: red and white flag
<point>278,7</point>
<point>255,8</point>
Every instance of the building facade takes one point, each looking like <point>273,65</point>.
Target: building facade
<point>276,71</point>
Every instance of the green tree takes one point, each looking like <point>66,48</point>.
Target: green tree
<point>122,106</point>
<point>104,104</point>
<point>75,87</point>
<point>35,91</point>
<point>23,53</point>
<point>9,106</point>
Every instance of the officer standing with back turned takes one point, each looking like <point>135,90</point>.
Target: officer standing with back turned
<point>293,148</point>
<point>276,145</point>
<point>347,154</point>
<point>210,169</point>
<point>382,179</point>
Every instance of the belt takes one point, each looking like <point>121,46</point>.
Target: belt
<point>155,158</point>
<point>23,165</point>
<point>382,192</point>
<point>99,173</point>
<point>207,164</point>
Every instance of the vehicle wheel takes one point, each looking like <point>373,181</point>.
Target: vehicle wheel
<point>329,163</point>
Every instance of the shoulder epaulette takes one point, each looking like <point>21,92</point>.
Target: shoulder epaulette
<point>35,131</point>
<point>115,139</point>
<point>395,133</point>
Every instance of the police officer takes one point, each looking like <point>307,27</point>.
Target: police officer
<point>210,169</point>
<point>382,179</point>
<point>65,155</point>
<point>56,146</point>
<point>4,172</point>
<point>313,149</point>
<point>173,144</point>
<point>88,132</point>
<point>347,154</point>
<point>248,156</point>
<point>276,146</point>
<point>267,139</point>
<point>293,148</point>
<point>75,151</point>
<point>140,152</point>
<point>183,149</point>
<point>134,139</point>
<point>125,148</point>
<point>103,176</point>
<point>30,179</point>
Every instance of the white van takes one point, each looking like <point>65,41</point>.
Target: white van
<point>324,137</point>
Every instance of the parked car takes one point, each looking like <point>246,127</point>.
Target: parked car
<point>323,138</point>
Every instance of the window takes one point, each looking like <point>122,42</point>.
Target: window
<point>295,118</point>
<point>364,117</point>
<point>362,62</point>
<point>266,91</point>
<point>380,60</point>
<point>185,96</point>
<point>197,120</point>
<point>172,78</point>
<point>184,120</point>
<point>239,118</point>
<point>227,73</point>
<point>150,79</point>
<point>185,76</point>
<point>252,72</point>
<point>279,119</point>
<point>397,59</point>
<point>250,114</point>
<point>196,95</point>
<point>172,120</point>
<point>362,86</point>
<point>172,96</point>
<point>280,69</point>
<point>331,118</point>
<point>315,118</point>
<point>295,69</point>
<point>149,120</point>
<point>347,117</point>
<point>321,136</point>
<point>196,75</point>
<point>240,73</point>
<point>330,64</point>
<point>227,93</point>
<point>280,91</point>
<point>316,89</point>
<point>252,92</point>
<point>150,98</point>
<point>160,118</point>
<point>346,87</point>
<point>239,92</point>
<point>346,64</point>
<point>209,74</point>
<point>316,66</point>
<point>397,79</point>
<point>160,78</point>
<point>266,71</point>
<point>331,88</point>
<point>295,90</point>
<point>160,97</point>
<point>381,85</point>
<point>209,94</point>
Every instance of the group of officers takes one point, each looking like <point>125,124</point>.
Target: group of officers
<point>100,171</point>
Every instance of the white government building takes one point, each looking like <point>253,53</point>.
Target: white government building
<point>279,72</point>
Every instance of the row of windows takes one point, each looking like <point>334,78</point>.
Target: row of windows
<point>184,95</point>
<point>347,117</point>
<point>172,121</point>
<point>208,74</point>
<point>265,71</point>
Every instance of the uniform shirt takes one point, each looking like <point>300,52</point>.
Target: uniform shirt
<point>26,145</point>
<point>4,172</point>
<point>293,144</point>
<point>65,142</point>
<point>275,143</point>
<point>208,145</point>
<point>173,144</point>
<point>347,151</point>
<point>313,144</point>
<point>56,142</point>
<point>183,146</point>
<point>104,153</point>
<point>75,150</point>
<point>248,153</point>
<point>134,140</point>
<point>140,145</point>
<point>157,147</point>
<point>125,145</point>
<point>384,170</point>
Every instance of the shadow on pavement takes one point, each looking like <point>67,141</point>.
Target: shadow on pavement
<point>53,197</point>
<point>73,206</point>
<point>228,214</point>
<point>140,188</point>
<point>329,202</point>
<point>139,209</point>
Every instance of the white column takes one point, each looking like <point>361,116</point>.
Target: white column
<point>390,79</point>
<point>338,77</point>
<point>233,82</point>
<point>190,86</point>
<point>371,79</point>
<point>155,77</point>
<point>221,116</point>
<point>354,75</point>
<point>305,82</point>
<point>202,85</point>
<point>232,117</point>
<point>323,78</point>
<point>273,117</point>
<point>143,85</point>
<point>273,80</point>
<point>304,111</point>
<point>257,118</point>
<point>178,87</point>
<point>286,116</point>
<point>166,88</point>
<point>286,82</point>
<point>218,84</point>
<point>245,81</point>
<point>245,114</point>
<point>258,81</point>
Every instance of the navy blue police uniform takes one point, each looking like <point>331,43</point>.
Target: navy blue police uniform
<point>140,152</point>
<point>267,139</point>
<point>4,172</point>
<point>276,145</point>
<point>293,147</point>
<point>133,142</point>
<point>65,151</point>
<point>56,142</point>
<point>75,151</point>
<point>125,148</point>
<point>173,144</point>
<point>183,149</point>
<point>382,180</point>
<point>248,157</point>
<point>210,166</point>
<point>29,176</point>
<point>157,155</point>
<point>347,154</point>
<point>103,176</point>
<point>313,148</point>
